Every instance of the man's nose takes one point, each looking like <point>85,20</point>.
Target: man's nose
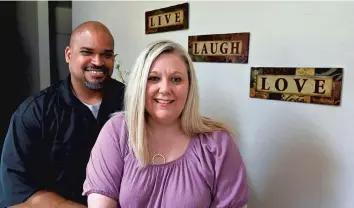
<point>97,60</point>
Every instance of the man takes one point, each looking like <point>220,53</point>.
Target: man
<point>51,134</point>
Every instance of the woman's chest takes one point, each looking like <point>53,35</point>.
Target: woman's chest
<point>165,186</point>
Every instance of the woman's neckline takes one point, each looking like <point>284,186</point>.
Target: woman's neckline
<point>172,162</point>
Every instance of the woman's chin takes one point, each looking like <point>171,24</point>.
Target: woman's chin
<point>164,118</point>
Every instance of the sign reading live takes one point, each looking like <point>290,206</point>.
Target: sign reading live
<point>222,48</point>
<point>167,19</point>
<point>306,85</point>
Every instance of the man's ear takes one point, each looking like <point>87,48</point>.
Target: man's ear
<point>67,54</point>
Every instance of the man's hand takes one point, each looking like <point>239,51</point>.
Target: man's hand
<point>46,199</point>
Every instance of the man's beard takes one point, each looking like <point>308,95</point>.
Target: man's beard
<point>96,85</point>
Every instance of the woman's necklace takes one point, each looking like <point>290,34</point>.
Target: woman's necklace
<point>161,156</point>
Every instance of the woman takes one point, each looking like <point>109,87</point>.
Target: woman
<point>161,152</point>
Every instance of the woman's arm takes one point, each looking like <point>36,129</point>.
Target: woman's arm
<point>100,201</point>
<point>105,167</point>
<point>230,185</point>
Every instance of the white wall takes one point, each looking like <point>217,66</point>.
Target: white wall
<point>297,155</point>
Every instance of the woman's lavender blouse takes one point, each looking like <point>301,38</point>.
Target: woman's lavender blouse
<point>211,173</point>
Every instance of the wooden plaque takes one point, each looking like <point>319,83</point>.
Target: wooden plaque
<point>305,85</point>
<point>167,19</point>
<point>222,48</point>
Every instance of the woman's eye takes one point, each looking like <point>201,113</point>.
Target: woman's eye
<point>155,79</point>
<point>176,79</point>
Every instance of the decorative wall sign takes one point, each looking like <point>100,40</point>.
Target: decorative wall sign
<point>167,19</point>
<point>306,85</point>
<point>223,48</point>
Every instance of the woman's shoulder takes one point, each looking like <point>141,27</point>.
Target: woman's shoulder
<point>216,138</point>
<point>115,128</point>
<point>116,122</point>
<point>117,117</point>
<point>216,144</point>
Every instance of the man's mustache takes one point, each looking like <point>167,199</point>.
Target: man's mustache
<point>94,67</point>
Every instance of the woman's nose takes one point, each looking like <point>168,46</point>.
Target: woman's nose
<point>164,87</point>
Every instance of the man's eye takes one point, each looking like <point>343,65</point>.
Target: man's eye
<point>108,55</point>
<point>85,52</point>
<point>176,79</point>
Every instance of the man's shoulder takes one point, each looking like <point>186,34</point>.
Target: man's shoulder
<point>38,100</point>
<point>115,94</point>
<point>117,85</point>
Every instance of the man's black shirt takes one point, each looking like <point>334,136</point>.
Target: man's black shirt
<point>49,142</point>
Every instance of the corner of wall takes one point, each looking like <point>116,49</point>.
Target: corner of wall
<point>43,44</point>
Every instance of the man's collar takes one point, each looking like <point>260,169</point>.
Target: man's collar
<point>66,92</point>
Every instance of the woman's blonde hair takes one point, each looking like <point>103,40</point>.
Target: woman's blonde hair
<point>134,103</point>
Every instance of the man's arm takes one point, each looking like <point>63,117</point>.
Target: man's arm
<point>46,199</point>
<point>22,168</point>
